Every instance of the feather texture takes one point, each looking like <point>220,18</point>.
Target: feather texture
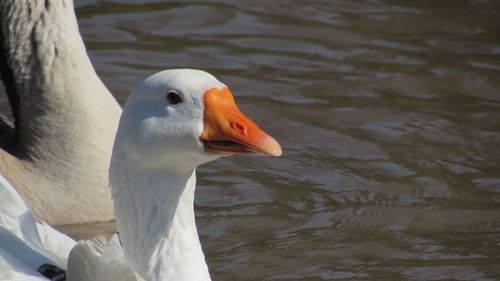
<point>25,245</point>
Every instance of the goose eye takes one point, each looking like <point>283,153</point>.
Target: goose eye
<point>173,97</point>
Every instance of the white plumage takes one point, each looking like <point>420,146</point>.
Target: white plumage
<point>25,245</point>
<point>172,122</point>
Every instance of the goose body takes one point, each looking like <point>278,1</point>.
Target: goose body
<point>57,153</point>
<point>172,122</point>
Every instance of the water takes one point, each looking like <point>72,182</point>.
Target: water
<point>388,113</point>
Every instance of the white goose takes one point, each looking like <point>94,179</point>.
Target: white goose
<point>172,122</point>
<point>57,155</point>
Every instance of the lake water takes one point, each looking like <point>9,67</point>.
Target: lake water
<point>388,112</point>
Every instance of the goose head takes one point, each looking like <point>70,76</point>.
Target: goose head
<point>187,117</point>
<point>172,122</point>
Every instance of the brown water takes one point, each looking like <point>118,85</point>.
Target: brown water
<point>388,112</point>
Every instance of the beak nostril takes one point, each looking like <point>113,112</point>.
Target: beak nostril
<point>239,127</point>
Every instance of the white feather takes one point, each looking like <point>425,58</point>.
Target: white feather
<point>87,263</point>
<point>152,176</point>
<point>25,245</point>
<point>22,250</point>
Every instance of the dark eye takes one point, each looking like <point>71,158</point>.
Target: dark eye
<point>173,97</point>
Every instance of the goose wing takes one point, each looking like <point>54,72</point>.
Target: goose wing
<point>25,245</point>
<point>94,261</point>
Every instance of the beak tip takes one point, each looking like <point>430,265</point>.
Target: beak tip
<point>277,153</point>
<point>272,147</point>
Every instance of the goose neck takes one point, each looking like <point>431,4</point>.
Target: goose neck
<point>155,218</point>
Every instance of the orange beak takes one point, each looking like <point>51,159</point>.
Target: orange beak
<point>228,131</point>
